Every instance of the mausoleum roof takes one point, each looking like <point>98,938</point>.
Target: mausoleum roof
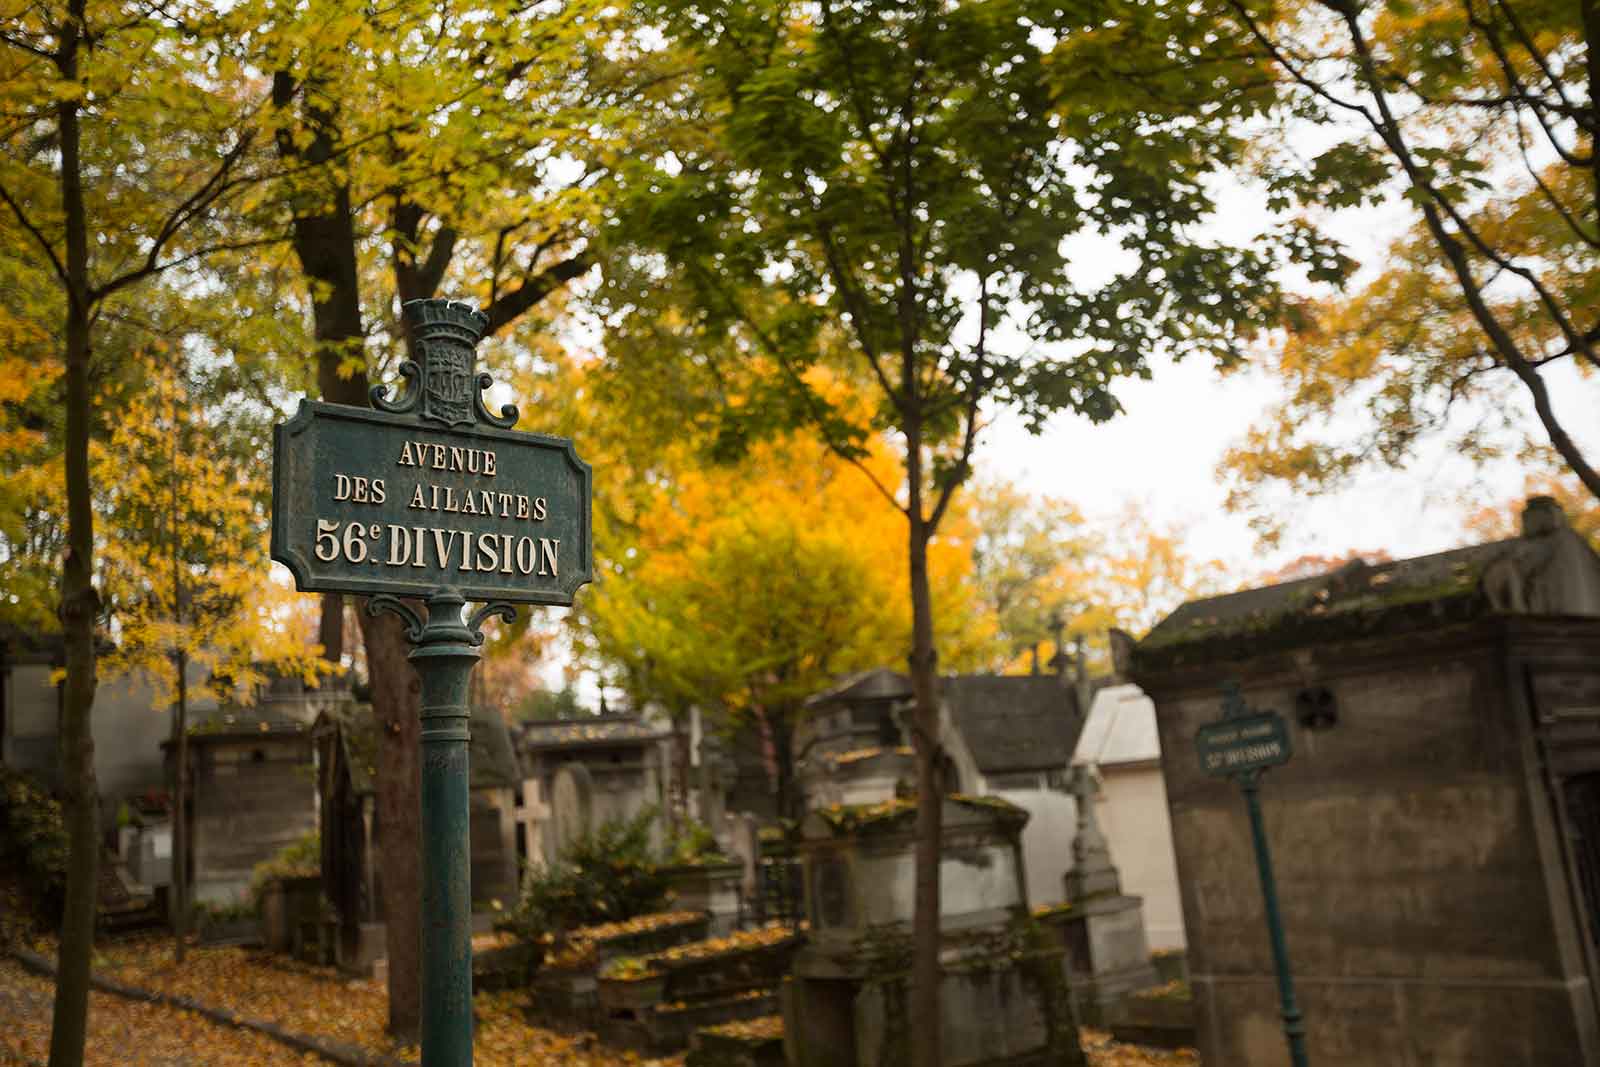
<point>1013,722</point>
<point>22,645</point>
<point>1549,570</point>
<point>587,730</point>
<point>493,763</point>
<point>1120,729</point>
<point>234,722</point>
<point>879,683</point>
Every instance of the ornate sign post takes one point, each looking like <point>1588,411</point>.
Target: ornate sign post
<point>1241,745</point>
<point>432,496</point>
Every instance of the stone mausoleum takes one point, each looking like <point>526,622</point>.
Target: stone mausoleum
<point>580,773</point>
<point>1436,834</point>
<point>1005,996</point>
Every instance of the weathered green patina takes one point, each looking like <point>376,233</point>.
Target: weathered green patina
<point>431,491</point>
<point>434,496</point>
<point>1243,744</point>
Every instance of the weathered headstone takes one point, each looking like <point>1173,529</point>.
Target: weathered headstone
<point>1092,872</point>
<point>744,844</point>
<point>1104,931</point>
<point>571,803</point>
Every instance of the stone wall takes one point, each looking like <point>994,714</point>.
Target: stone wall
<point>1047,839</point>
<point>1428,917</point>
<point>1132,810</point>
<point>250,800</point>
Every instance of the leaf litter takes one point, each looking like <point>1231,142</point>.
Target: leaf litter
<point>318,1001</point>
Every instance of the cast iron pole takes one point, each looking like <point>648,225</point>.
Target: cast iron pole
<point>354,495</point>
<point>1293,1024</point>
<point>444,656</point>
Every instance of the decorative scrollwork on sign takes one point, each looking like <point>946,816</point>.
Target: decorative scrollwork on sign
<point>443,384</point>
<point>508,412</point>
<point>395,606</point>
<point>407,400</point>
<point>507,612</point>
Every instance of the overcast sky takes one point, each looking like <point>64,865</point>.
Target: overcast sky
<point>1163,454</point>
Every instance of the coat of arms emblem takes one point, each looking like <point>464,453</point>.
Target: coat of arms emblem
<point>444,386</point>
<point>446,334</point>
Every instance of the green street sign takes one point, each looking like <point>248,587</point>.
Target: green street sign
<point>432,492</point>
<point>1245,743</point>
<point>1241,745</point>
<point>432,496</point>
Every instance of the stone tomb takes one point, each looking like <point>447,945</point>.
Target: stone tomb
<point>1435,835</point>
<point>1005,995</point>
<point>584,771</point>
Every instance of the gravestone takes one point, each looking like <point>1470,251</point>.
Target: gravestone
<point>624,759</point>
<point>717,773</point>
<point>571,803</point>
<point>744,844</point>
<point>1104,930</point>
<point>1092,871</point>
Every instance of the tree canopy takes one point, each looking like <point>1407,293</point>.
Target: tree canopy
<point>1480,115</point>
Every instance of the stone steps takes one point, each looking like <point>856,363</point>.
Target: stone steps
<point>564,987</point>
<point>657,1003</point>
<point>757,1042</point>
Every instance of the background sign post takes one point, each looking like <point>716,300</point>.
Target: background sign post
<point>432,495</point>
<point>1241,745</point>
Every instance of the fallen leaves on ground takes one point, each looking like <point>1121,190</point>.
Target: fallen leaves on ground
<point>635,968</point>
<point>126,1033</point>
<point>658,920</point>
<point>309,1000</point>
<point>321,1002</point>
<point>765,1028</point>
<point>253,983</point>
<point>581,944</point>
<point>738,941</point>
<point>1177,989</point>
<point>1105,1052</point>
<point>494,941</point>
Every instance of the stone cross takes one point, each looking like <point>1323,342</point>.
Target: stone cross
<point>1093,873</point>
<point>532,818</point>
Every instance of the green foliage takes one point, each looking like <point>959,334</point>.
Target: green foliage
<point>1479,120</point>
<point>887,189</point>
<point>608,875</point>
<point>33,842</point>
<point>217,912</point>
<point>547,705</point>
<point>694,845</point>
<point>300,858</point>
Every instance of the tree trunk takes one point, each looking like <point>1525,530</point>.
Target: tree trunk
<point>180,813</point>
<point>324,237</point>
<point>325,244</point>
<point>180,726</point>
<point>783,758</point>
<point>79,601</point>
<point>397,705</point>
<point>925,972</point>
